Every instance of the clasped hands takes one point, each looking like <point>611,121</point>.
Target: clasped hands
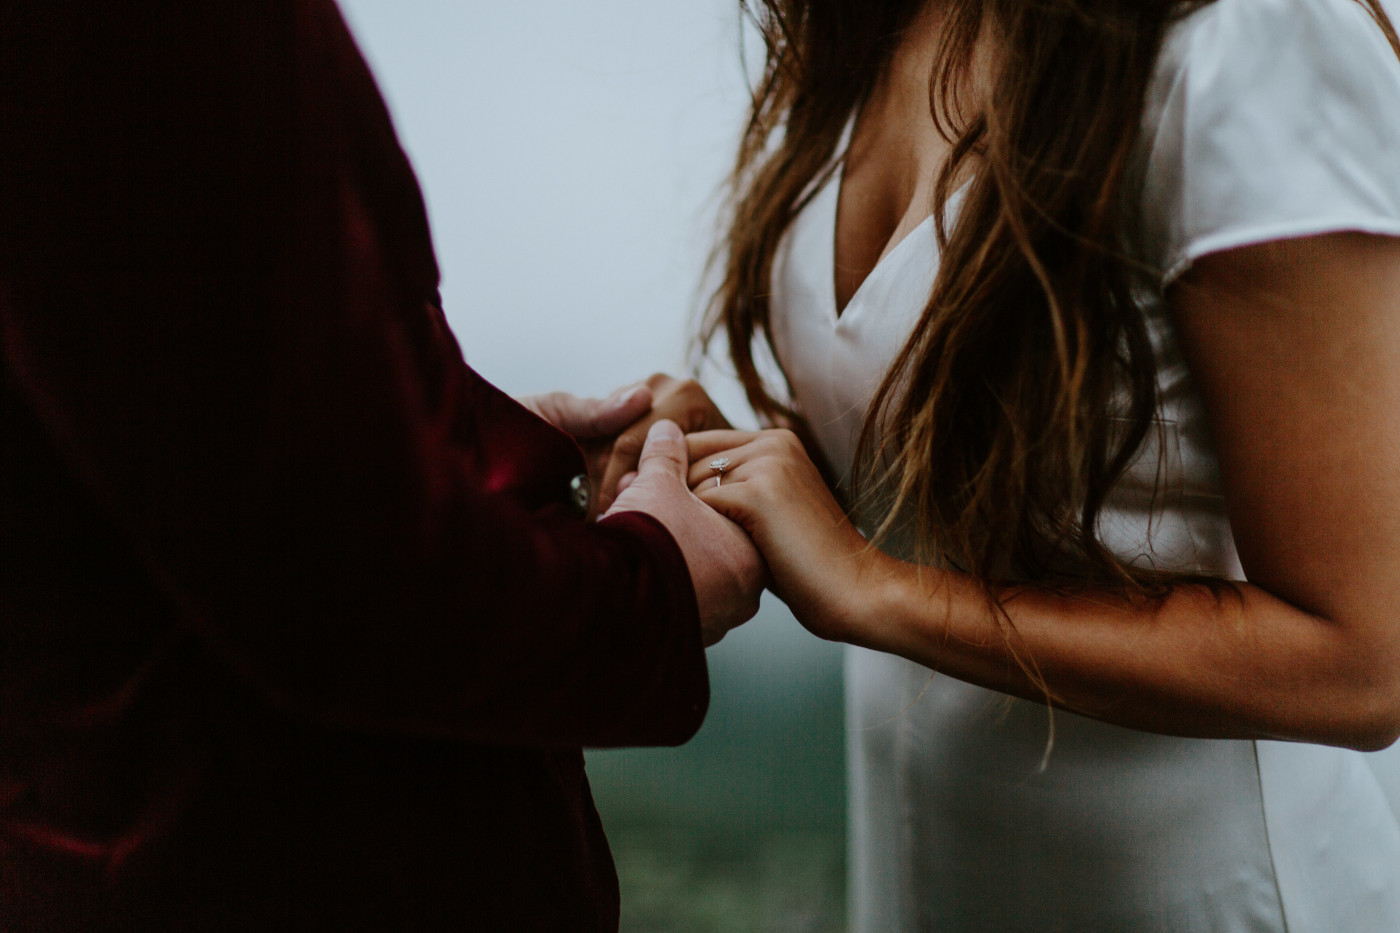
<point>770,520</point>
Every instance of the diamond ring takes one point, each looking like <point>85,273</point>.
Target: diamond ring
<point>718,466</point>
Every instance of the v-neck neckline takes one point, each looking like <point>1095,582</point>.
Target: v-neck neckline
<point>837,312</point>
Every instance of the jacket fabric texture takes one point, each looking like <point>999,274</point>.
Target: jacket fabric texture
<point>298,627</point>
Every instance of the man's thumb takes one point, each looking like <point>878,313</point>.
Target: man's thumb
<point>664,452</point>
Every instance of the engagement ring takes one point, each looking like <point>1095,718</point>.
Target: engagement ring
<point>718,467</point>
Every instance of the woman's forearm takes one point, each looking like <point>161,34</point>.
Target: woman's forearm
<point>1228,662</point>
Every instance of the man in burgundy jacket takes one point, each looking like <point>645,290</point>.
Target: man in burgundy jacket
<point>298,626</point>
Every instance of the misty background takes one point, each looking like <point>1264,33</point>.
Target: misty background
<point>572,156</point>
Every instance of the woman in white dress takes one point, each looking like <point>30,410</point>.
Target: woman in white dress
<point>1088,307</point>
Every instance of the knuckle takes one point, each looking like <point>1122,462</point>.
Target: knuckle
<point>628,444</point>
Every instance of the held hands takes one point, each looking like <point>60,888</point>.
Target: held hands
<point>771,495</point>
<point>771,489</point>
<point>592,418</point>
<point>680,400</point>
<point>596,425</point>
<point>611,431</point>
<point>726,569</point>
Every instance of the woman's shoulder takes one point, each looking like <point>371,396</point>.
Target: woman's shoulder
<point>1277,18</point>
<point>1229,37</point>
<point>1268,119</point>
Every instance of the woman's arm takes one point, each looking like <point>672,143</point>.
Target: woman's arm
<point>1295,347</point>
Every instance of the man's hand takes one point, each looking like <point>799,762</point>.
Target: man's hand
<point>592,418</point>
<point>594,424</point>
<point>681,401</point>
<point>726,569</point>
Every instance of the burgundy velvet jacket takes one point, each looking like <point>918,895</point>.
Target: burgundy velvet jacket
<point>298,629</point>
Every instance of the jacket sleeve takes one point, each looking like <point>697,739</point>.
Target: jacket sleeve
<point>217,294</point>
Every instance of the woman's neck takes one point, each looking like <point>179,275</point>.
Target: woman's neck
<point>895,156</point>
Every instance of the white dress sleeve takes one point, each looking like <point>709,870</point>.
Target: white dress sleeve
<point>1267,120</point>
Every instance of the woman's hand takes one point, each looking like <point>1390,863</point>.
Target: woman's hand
<point>1295,349</point>
<point>680,400</point>
<point>819,562</point>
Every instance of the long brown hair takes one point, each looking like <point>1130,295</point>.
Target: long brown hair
<point>1029,383</point>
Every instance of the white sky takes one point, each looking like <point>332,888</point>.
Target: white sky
<point>570,154</point>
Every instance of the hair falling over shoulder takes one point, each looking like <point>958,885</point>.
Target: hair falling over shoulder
<point>1029,382</point>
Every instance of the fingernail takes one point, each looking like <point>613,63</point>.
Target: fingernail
<point>624,394</point>
<point>668,428</point>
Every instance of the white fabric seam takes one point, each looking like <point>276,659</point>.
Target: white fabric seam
<point>1268,840</point>
<point>1269,233</point>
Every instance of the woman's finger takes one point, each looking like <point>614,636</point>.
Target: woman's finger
<point>706,445</point>
<point>729,501</point>
<point>721,466</point>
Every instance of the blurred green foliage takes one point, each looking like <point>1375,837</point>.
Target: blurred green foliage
<point>742,829</point>
<point>770,880</point>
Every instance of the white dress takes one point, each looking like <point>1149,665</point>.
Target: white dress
<point>1266,119</point>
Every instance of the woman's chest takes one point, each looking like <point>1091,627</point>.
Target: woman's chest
<point>836,362</point>
<point>835,356</point>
